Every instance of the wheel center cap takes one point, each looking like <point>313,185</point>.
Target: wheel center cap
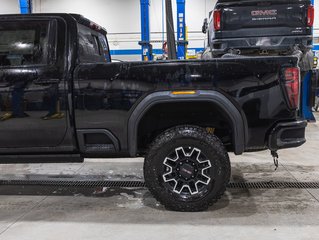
<point>187,171</point>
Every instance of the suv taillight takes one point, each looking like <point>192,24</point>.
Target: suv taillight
<point>310,15</point>
<point>217,19</point>
<point>292,84</point>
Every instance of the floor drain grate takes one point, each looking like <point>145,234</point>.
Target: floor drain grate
<point>140,184</point>
<point>75,183</point>
<point>273,185</point>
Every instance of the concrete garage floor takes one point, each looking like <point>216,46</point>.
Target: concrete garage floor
<point>59,213</point>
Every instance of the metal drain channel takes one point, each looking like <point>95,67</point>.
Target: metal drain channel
<point>141,184</point>
<point>273,185</point>
<point>75,183</point>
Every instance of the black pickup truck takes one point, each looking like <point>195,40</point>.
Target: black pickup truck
<point>254,27</point>
<point>62,99</point>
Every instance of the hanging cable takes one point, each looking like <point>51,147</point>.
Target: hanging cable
<point>170,30</point>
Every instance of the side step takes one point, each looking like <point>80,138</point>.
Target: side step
<point>98,148</point>
<point>52,158</point>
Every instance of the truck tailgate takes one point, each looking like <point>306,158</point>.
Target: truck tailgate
<point>280,17</point>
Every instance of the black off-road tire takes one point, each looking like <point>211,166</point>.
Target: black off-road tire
<point>190,137</point>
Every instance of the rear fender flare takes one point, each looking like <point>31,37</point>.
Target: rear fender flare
<point>238,120</point>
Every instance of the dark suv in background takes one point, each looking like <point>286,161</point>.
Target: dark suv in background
<point>253,27</point>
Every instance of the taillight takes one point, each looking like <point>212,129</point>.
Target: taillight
<point>292,84</point>
<point>310,15</point>
<point>217,19</point>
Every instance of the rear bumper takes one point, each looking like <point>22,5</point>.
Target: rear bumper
<point>287,135</point>
<point>275,43</point>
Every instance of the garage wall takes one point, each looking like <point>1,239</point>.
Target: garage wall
<point>122,19</point>
<point>9,7</point>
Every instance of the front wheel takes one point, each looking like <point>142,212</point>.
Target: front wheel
<point>187,168</point>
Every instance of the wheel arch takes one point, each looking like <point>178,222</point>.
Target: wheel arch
<point>237,118</point>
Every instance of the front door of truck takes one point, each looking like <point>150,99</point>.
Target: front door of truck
<point>32,89</point>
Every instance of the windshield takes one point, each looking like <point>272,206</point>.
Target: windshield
<point>24,43</point>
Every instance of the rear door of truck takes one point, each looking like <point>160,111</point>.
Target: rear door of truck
<point>94,117</point>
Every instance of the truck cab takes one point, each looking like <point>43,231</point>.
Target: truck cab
<point>37,58</point>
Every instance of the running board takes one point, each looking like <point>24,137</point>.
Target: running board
<point>99,148</point>
<point>50,158</point>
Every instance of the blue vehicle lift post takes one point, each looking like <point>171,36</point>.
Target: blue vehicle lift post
<point>145,33</point>
<point>306,106</point>
<point>25,6</point>
<point>181,30</point>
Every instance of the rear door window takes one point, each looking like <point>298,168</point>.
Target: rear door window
<point>24,43</point>
<point>91,48</point>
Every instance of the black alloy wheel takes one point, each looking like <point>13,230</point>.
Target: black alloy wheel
<point>187,168</point>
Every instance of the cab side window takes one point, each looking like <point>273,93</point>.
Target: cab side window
<point>105,47</point>
<point>90,47</point>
